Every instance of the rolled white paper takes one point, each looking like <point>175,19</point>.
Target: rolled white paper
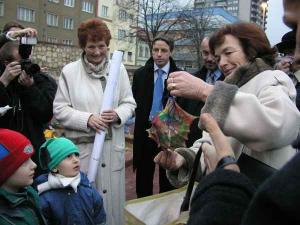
<point>108,96</point>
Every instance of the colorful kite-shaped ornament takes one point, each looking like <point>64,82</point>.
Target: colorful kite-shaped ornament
<point>171,126</point>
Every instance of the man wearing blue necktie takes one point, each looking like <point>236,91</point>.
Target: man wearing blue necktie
<point>150,93</point>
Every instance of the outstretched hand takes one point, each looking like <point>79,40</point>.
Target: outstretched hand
<point>169,160</point>
<point>221,148</point>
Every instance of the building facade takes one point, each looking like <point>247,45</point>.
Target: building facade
<point>122,24</point>
<point>245,10</point>
<point>55,20</point>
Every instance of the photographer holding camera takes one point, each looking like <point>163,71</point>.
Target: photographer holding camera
<point>27,92</point>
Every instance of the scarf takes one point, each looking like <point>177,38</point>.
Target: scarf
<point>59,181</point>
<point>95,71</point>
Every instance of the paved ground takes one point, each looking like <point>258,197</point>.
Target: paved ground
<point>130,177</point>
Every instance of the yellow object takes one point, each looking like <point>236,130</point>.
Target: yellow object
<point>49,133</point>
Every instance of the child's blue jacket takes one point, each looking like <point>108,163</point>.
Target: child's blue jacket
<point>65,207</point>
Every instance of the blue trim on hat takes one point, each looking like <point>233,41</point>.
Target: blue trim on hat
<point>3,151</point>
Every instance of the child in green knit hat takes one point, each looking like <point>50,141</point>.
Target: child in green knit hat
<point>67,196</point>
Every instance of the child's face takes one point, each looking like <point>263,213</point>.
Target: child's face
<point>70,166</point>
<point>21,178</point>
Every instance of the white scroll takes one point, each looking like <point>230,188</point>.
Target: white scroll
<point>108,96</point>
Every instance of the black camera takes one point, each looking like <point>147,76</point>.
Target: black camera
<point>25,49</point>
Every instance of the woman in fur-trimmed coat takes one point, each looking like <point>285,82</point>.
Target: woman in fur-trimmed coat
<point>254,106</point>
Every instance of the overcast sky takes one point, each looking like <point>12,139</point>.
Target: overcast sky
<point>275,26</point>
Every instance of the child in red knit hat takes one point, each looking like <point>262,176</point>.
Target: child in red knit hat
<point>18,201</point>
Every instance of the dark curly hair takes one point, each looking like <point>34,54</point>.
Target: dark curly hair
<point>94,30</point>
<point>253,40</point>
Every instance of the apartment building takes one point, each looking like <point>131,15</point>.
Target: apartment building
<point>245,10</point>
<point>55,20</point>
<point>121,21</point>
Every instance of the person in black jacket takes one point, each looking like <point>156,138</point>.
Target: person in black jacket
<point>210,72</point>
<point>29,98</point>
<point>286,48</point>
<point>144,148</point>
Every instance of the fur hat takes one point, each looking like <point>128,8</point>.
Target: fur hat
<point>55,150</point>
<point>288,42</point>
<point>15,149</point>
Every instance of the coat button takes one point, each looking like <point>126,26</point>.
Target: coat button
<point>104,191</point>
<point>103,165</point>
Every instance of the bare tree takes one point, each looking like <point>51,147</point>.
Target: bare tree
<point>154,17</point>
<point>196,24</point>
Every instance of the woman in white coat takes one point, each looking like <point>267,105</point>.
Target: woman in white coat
<point>254,106</point>
<point>77,107</point>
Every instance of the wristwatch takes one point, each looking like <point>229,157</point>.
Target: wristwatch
<point>226,160</point>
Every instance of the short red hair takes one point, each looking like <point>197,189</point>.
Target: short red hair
<point>93,30</point>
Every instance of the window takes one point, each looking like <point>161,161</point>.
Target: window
<point>25,14</point>
<point>188,64</point>
<point>68,23</point>
<point>54,1</point>
<point>129,56</point>
<point>87,7</point>
<point>131,37</point>
<point>121,34</point>
<point>131,19</point>
<point>104,10</point>
<point>67,42</point>
<point>52,20</point>
<point>122,14</point>
<point>141,51</point>
<point>147,55</point>
<point>1,8</point>
<point>70,3</point>
<point>52,39</point>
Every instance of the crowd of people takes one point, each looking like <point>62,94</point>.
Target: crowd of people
<point>244,97</point>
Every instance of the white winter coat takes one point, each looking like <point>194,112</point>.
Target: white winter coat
<point>78,97</point>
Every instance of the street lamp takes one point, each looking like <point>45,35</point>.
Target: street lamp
<point>264,6</point>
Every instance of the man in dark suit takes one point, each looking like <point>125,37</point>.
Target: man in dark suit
<point>210,73</point>
<point>144,87</point>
